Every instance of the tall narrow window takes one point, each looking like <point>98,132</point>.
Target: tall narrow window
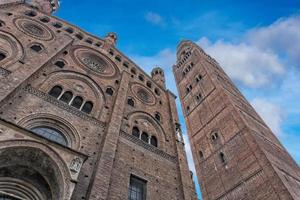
<point>157,116</point>
<point>145,137</point>
<point>66,97</point>
<point>153,141</point>
<point>55,91</point>
<point>137,189</point>
<point>222,157</point>
<point>2,56</point>
<point>136,132</point>
<point>51,134</point>
<point>87,107</point>
<point>77,102</point>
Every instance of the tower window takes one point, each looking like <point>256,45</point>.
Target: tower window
<point>153,141</point>
<point>198,78</point>
<point>109,91</point>
<point>199,97</point>
<point>2,56</point>
<point>66,97</point>
<point>214,136</point>
<point>222,157</point>
<point>136,132</point>
<point>77,102</point>
<point>145,137</point>
<point>201,154</point>
<point>188,109</point>
<point>137,189</point>
<point>60,64</point>
<point>87,107</point>
<point>130,102</point>
<point>36,48</point>
<point>51,134</point>
<point>55,91</point>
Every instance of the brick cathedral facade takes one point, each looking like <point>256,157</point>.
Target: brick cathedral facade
<point>80,120</point>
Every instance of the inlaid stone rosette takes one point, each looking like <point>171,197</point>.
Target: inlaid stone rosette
<point>143,94</point>
<point>34,29</point>
<point>95,62</point>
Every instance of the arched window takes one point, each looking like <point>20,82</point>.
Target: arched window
<point>157,116</point>
<point>51,134</point>
<point>2,56</point>
<point>55,91</point>
<point>201,154</point>
<point>77,102</point>
<point>222,157</point>
<point>136,132</point>
<point>109,91</point>
<point>130,102</point>
<point>87,107</point>
<point>133,71</point>
<point>214,136</point>
<point>66,97</point>
<point>141,77</point>
<point>145,137</point>
<point>153,141</point>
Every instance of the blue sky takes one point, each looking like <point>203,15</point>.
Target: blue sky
<point>256,42</point>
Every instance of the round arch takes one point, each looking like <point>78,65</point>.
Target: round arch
<point>33,170</point>
<point>54,121</point>
<point>99,98</point>
<point>159,132</point>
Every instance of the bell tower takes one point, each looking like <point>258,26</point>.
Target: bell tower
<point>236,154</point>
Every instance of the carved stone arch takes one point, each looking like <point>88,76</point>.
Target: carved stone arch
<point>94,61</point>
<point>80,83</point>
<point>138,119</point>
<point>52,176</point>
<point>54,121</point>
<point>12,48</point>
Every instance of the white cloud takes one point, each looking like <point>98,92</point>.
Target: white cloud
<point>272,114</point>
<point>154,18</point>
<point>245,63</point>
<point>283,36</point>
